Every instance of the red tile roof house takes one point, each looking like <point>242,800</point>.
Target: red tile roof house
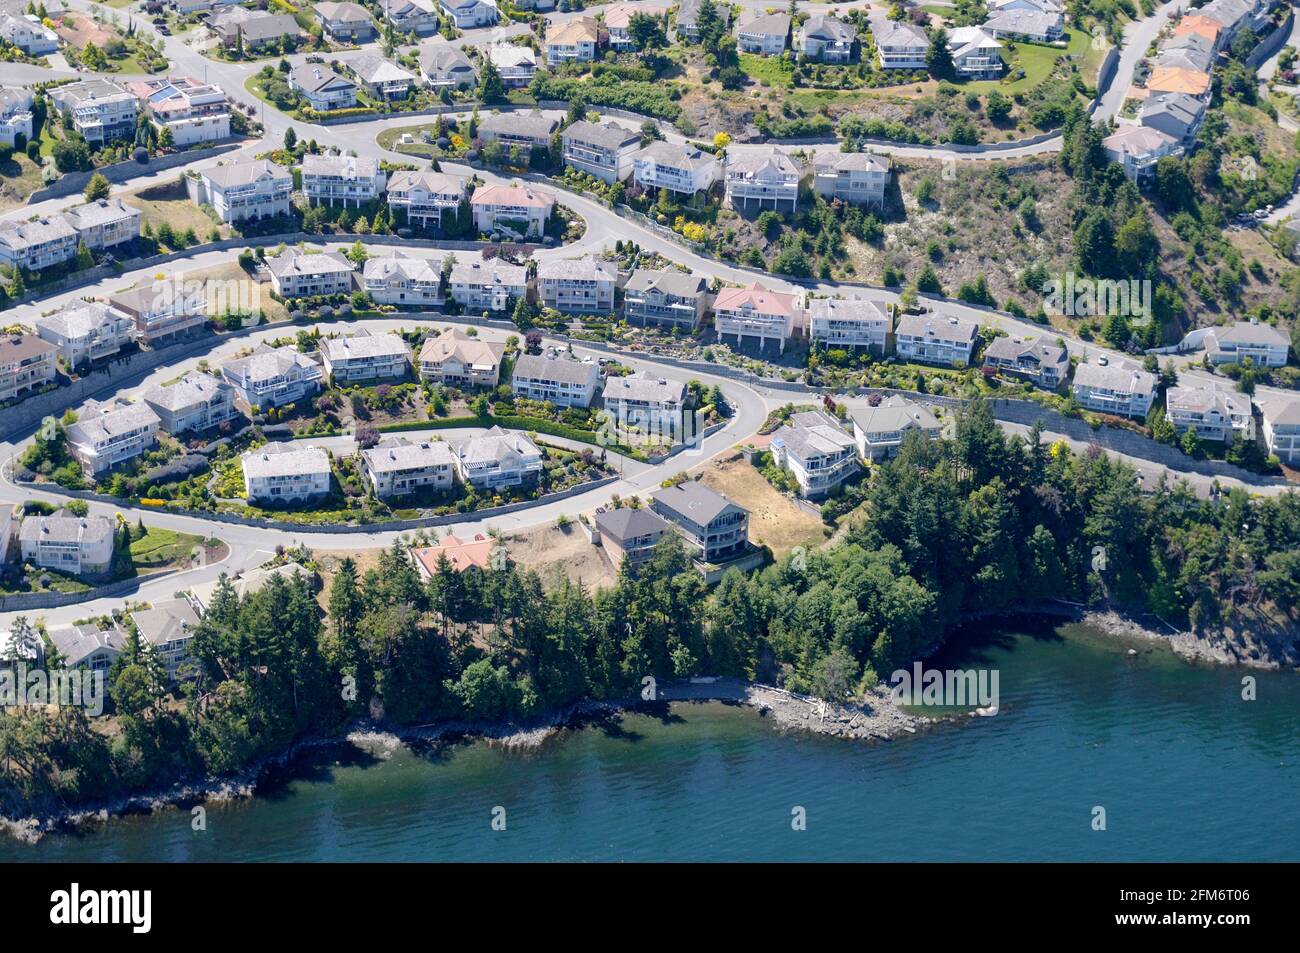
<point>472,554</point>
<point>755,312</point>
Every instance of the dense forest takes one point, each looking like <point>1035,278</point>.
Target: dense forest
<point>981,521</point>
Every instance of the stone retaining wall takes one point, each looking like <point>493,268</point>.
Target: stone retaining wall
<point>52,600</point>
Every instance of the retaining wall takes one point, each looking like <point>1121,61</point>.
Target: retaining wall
<point>74,182</point>
<point>52,600</point>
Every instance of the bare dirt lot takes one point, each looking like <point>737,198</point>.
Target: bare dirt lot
<point>552,553</point>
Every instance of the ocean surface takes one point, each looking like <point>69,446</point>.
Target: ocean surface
<point>1183,767</point>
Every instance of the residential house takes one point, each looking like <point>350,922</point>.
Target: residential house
<point>1213,413</point>
<point>346,180</point>
<point>87,646</point>
<point>683,169</point>
<point>817,450</point>
<point>77,545</point>
<point>455,359</point>
<point>1114,388</point>
<point>365,357</point>
<point>574,41</point>
<point>1046,365</point>
<point>974,53</point>
<point>258,32</point>
<point>828,39</point>
<point>397,467</point>
<point>673,298</point>
<point>879,431</point>
<point>1138,148</point>
<point>285,473</point>
<point>859,178</point>
<point>297,274</point>
<point>849,323</point>
<point>244,584</point>
<point>517,209</point>
<point>412,16</point>
<point>1190,52</point>
<point>557,377</point>
<point>347,22</point>
<point>426,197</point>
<point>28,34</point>
<point>605,150</point>
<point>105,223</point>
<point>655,404</point>
<point>498,458</point>
<point>15,116</point>
<point>630,533</point>
<point>1232,15</point>
<point>1176,79</point>
<point>488,284</point>
<point>1264,344</point>
<point>933,339</point>
<point>196,402</point>
<point>38,244</point>
<point>766,34</point>
<point>251,189</point>
<point>461,555</point>
<point>27,364</point>
<point>900,45</point>
<point>108,434</point>
<point>515,64</point>
<point>443,66</point>
<point>161,310</point>
<point>1281,416</point>
<point>382,80</point>
<point>1035,26</point>
<point>323,88</point>
<point>762,179</point>
<point>399,279</point>
<point>86,331</point>
<point>577,285</point>
<point>714,528</point>
<point>468,14</point>
<point>755,312</point>
<point>169,627</point>
<point>618,17</point>
<point>191,110</point>
<point>528,131</point>
<point>1207,29</point>
<point>272,377</point>
<point>1177,115</point>
<point>686,26</point>
<point>102,111</point>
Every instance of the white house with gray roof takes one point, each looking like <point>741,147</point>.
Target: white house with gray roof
<point>900,45</point>
<point>412,16</point>
<point>365,357</point>
<point>713,527</point>
<point>88,646</point>
<point>285,473</point>
<point>817,450</point>
<point>577,285</point>
<point>849,323</point>
<point>1046,365</point>
<point>323,88</point>
<point>104,223</point>
<point>498,458</point>
<point>162,309</point>
<point>527,130</point>
<point>767,34</point>
<point>298,274</point>
<point>1213,413</point>
<point>642,400</point>
<point>272,377</point>
<point>86,331</point>
<point>468,14</point>
<point>169,627</point>
<point>605,150</point>
<point>402,280</point>
<point>443,66</point>
<point>757,180</point>
<point>935,339</point>
<point>15,114</point>
<point>672,298</point>
<point>37,245</point>
<point>827,39</point>
<point>1264,344</point>
<point>1036,26</point>
<point>342,180</point>
<point>678,168</point>
<point>879,431</point>
<point>515,64</point>
<point>196,402</point>
<point>556,376</point>
<point>860,178</point>
<point>1114,388</point>
<point>100,110</point>
<point>427,198</point>
<point>345,21</point>
<point>488,284</point>
<point>111,433</point>
<point>252,189</point>
<point>1281,427</point>
<point>397,467</point>
<point>77,545</point>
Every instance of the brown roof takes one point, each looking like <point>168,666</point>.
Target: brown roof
<point>19,347</point>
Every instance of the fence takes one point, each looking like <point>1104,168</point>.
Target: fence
<point>52,600</point>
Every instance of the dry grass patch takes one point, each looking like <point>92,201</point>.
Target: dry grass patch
<point>775,520</point>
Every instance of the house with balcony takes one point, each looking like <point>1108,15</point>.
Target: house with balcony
<point>575,41</point>
<point>879,431</point>
<point>162,310</point>
<point>975,54</point>
<point>934,339</point>
<point>630,533</point>
<point>346,22</point>
<point>556,376</point>
<point>365,357</point>
<point>498,458</point>
<point>88,646</point>
<point>193,111</point>
<point>273,377</point>
<point>102,111</point>
<point>38,244</point>
<point>1177,115</point>
<point>670,298</point>
<point>298,274</point>
<point>168,626</point>
<point>104,223</point>
<point>577,285</point>
<point>285,473</point>
<point>443,66</point>
<point>849,323</point>
<point>252,189</point>
<point>755,312</point>
<point>397,467</point>
<point>1213,413</point>
<point>605,150</point>
<point>15,115</point>
<point>488,284</point>
<point>859,178</point>
<point>109,434</point>
<point>515,64</point>
<point>1281,428</point>
<point>713,527</point>
<point>76,545</point>
<point>455,359</point>
<point>381,79</point>
<point>756,180</point>
<point>827,39</point>
<point>655,404</point>
<point>1034,26</point>
<point>618,18</point>
<point>817,450</point>
<point>27,363</point>
<point>765,35</point>
<point>28,34</point>
<point>516,209</point>
<point>1031,359</point>
<point>342,180</point>
<point>402,280</point>
<point>470,14</point>
<point>686,23</point>
<point>323,88</point>
<point>195,403</point>
<point>460,555</point>
<point>1264,344</point>
<point>900,45</point>
<point>412,16</point>
<point>1138,148</point>
<point>683,169</point>
<point>426,198</point>
<point>528,131</point>
<point>86,331</point>
<point>1114,388</point>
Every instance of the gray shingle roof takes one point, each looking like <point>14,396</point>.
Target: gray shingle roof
<point>694,501</point>
<point>626,523</point>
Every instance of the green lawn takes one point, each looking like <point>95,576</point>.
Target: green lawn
<point>160,548</point>
<point>1037,62</point>
<point>768,70</point>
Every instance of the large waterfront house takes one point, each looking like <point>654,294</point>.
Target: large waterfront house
<point>817,450</point>
<point>879,431</point>
<point>714,528</point>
